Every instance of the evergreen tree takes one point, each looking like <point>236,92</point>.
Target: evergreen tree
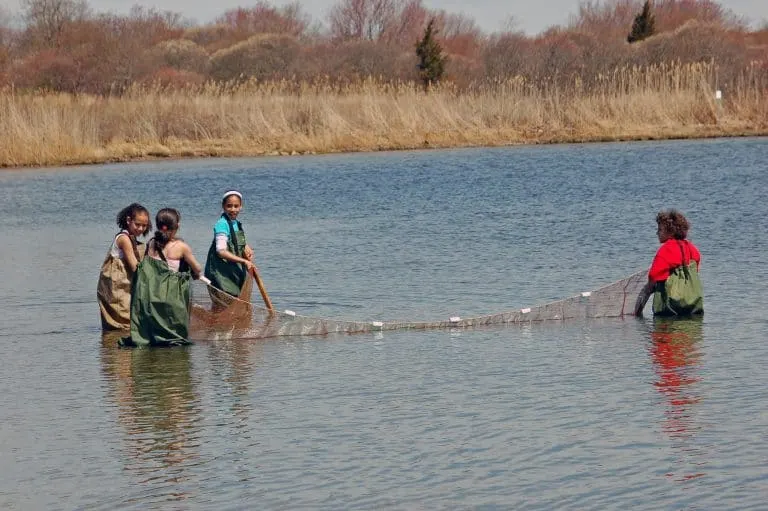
<point>644,24</point>
<point>431,59</point>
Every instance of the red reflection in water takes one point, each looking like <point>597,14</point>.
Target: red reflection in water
<point>675,353</point>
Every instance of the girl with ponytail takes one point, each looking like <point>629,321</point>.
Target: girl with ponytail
<point>161,299</point>
<point>166,247</point>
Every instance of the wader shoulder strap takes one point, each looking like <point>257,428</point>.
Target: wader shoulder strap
<point>232,237</point>
<point>183,265</point>
<point>134,244</point>
<point>135,247</point>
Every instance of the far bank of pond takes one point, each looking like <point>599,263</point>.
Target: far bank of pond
<point>61,129</point>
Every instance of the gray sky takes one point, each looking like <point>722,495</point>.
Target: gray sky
<point>531,16</point>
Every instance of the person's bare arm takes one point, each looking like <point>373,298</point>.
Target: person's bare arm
<point>642,298</point>
<point>189,258</point>
<point>129,257</point>
<point>229,256</point>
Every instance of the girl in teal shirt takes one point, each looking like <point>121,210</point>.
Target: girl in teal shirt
<point>230,258</point>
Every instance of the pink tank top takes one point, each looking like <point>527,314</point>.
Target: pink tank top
<point>172,263</point>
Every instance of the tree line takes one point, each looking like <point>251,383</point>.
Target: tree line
<point>64,45</point>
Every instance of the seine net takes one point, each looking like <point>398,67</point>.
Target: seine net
<point>217,315</point>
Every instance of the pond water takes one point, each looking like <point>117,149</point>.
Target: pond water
<point>630,413</point>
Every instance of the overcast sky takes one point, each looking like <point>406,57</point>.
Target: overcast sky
<point>530,16</point>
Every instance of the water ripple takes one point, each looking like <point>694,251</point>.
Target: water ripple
<point>597,415</point>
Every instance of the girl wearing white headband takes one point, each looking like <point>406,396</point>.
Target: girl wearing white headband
<point>230,258</point>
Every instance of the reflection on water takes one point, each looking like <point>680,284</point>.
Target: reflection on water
<point>576,416</point>
<point>232,363</point>
<point>157,409</point>
<point>675,351</point>
<point>160,411</point>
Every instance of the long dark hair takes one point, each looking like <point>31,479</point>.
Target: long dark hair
<point>131,211</point>
<point>167,221</point>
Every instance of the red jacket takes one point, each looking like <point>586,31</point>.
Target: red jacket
<point>669,256</point>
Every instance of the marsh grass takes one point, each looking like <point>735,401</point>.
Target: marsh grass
<point>656,102</point>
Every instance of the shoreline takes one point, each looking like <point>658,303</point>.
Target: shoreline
<point>654,103</point>
<point>233,148</point>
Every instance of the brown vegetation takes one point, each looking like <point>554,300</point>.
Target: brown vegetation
<point>83,86</point>
<point>254,118</point>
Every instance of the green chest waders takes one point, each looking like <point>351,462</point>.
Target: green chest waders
<point>159,304</point>
<point>681,294</point>
<point>227,275</point>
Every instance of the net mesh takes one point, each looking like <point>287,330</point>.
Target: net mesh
<point>217,315</point>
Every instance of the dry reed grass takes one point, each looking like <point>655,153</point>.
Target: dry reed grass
<point>657,102</point>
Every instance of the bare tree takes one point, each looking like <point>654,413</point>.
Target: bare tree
<point>47,19</point>
<point>130,36</point>
<point>460,35</point>
<point>608,19</point>
<point>5,18</point>
<point>362,19</point>
<point>263,18</point>
<point>5,26</point>
<point>407,25</point>
<point>5,37</point>
<point>510,25</point>
<point>507,55</point>
<point>455,25</point>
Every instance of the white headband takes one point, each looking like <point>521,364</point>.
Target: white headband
<point>232,192</point>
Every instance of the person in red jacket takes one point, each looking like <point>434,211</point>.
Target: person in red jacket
<point>675,251</point>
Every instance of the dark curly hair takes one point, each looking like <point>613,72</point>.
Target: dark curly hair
<point>674,223</point>
<point>131,211</point>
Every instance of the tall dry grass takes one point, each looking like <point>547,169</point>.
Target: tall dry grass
<point>656,102</point>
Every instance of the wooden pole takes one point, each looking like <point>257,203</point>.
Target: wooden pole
<point>262,289</point>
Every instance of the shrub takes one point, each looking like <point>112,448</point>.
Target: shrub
<point>261,56</point>
<point>181,54</point>
<point>47,69</point>
<point>170,78</point>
